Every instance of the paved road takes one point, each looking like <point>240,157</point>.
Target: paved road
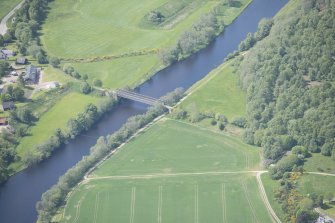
<point>3,23</point>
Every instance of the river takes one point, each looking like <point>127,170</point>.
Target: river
<point>19,195</point>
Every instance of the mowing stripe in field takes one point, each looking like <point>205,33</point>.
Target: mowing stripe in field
<point>160,203</point>
<point>224,207</point>
<point>196,204</point>
<point>132,204</point>
<point>96,206</point>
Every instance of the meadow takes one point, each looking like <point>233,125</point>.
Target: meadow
<point>6,6</point>
<point>83,28</point>
<point>172,172</point>
<point>67,107</point>
<point>218,92</point>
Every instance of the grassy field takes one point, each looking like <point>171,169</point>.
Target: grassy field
<point>56,117</point>
<point>192,150</point>
<point>6,6</point>
<point>222,198</point>
<point>320,163</point>
<point>181,183</point>
<point>219,93</point>
<point>118,73</point>
<point>83,28</point>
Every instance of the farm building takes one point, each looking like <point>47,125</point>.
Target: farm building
<point>32,74</point>
<point>21,61</point>
<point>5,106</point>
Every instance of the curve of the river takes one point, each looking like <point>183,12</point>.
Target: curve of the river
<point>19,195</point>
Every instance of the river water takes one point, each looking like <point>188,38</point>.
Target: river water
<point>19,195</point>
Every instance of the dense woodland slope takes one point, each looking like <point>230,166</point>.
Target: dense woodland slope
<point>289,78</point>
<point>289,81</point>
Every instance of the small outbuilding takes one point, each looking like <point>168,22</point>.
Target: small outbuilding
<point>8,105</point>
<point>21,61</point>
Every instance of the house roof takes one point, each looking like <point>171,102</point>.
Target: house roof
<point>7,52</point>
<point>8,105</point>
<point>31,73</point>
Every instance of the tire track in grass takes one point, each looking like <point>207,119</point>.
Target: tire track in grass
<point>223,200</point>
<point>132,204</point>
<point>160,203</point>
<point>96,207</point>
<point>196,204</point>
<point>255,219</point>
<point>77,212</point>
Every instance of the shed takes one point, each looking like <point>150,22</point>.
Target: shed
<point>7,106</point>
<point>21,61</point>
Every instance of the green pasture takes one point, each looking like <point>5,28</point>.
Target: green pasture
<point>320,163</point>
<point>6,6</point>
<point>220,198</point>
<point>84,28</point>
<point>173,147</point>
<point>121,72</point>
<point>68,107</point>
<point>218,92</point>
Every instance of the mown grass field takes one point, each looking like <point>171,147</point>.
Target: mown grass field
<point>181,181</point>
<point>173,147</point>
<point>219,92</point>
<point>6,6</point>
<point>221,198</point>
<point>68,107</point>
<point>121,72</point>
<point>83,28</point>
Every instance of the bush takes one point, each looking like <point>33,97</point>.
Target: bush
<point>54,61</point>
<point>97,82</point>
<point>240,122</point>
<point>86,88</point>
<point>213,122</point>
